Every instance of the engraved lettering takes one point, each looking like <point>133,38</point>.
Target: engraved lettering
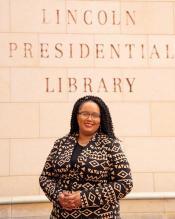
<point>90,17</point>
<point>88,20</point>
<point>115,18</point>
<point>60,52</point>
<point>59,85</point>
<point>27,50</point>
<point>72,17</point>
<point>84,50</point>
<point>72,84</point>
<point>142,51</point>
<point>130,49</point>
<point>117,52</point>
<point>44,50</point>
<point>71,52</point>
<point>44,20</point>
<point>87,84</point>
<point>102,85</point>
<point>168,55</point>
<point>130,17</point>
<point>99,51</point>
<point>58,16</point>
<point>117,84</point>
<point>48,90</point>
<point>102,17</point>
<point>154,52</point>
<point>130,83</point>
<point>13,47</point>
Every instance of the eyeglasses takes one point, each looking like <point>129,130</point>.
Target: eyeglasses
<point>86,115</point>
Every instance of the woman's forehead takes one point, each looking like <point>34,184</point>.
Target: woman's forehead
<point>89,105</point>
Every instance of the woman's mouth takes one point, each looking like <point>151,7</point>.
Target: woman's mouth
<point>88,125</point>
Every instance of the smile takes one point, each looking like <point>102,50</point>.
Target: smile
<point>89,125</point>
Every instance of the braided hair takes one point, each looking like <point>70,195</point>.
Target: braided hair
<point>106,125</point>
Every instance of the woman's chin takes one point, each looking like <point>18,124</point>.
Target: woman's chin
<point>88,131</point>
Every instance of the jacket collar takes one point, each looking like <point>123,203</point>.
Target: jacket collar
<point>94,140</point>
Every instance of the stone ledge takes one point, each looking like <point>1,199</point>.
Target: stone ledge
<point>131,208</point>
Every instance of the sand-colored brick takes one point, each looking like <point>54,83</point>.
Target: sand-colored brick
<point>4,157</point>
<point>5,211</point>
<point>96,81</point>
<point>94,17</point>
<point>146,17</point>
<point>4,16</point>
<point>55,119</point>
<point>66,50</point>
<point>120,51</point>
<point>29,155</point>
<point>23,120</point>
<point>150,84</point>
<point>170,206</point>
<point>163,118</point>
<point>29,210</point>
<point>19,186</point>
<point>143,182</point>
<point>145,206</point>
<point>131,119</point>
<point>38,84</point>
<point>38,16</point>
<point>161,50</point>
<point>4,84</point>
<point>18,49</point>
<point>147,154</point>
<point>143,216</point>
<point>164,182</point>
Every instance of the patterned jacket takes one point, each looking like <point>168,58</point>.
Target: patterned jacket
<point>101,173</point>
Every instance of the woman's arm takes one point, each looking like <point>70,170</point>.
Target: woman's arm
<point>120,181</point>
<point>47,178</point>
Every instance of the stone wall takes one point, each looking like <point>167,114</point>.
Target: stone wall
<point>54,51</point>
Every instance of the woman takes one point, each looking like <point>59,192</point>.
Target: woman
<point>86,172</point>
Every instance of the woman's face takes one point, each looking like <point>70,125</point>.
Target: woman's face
<point>88,118</point>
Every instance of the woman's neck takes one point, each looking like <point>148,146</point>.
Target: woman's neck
<point>84,139</point>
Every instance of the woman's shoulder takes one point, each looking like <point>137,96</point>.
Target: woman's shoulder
<point>110,144</point>
<point>61,139</point>
<point>67,137</point>
<point>105,138</point>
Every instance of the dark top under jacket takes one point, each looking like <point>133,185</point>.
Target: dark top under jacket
<point>101,172</point>
<point>76,152</point>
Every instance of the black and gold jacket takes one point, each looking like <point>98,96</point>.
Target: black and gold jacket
<point>101,173</point>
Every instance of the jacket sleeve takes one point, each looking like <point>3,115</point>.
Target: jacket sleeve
<point>47,178</point>
<point>118,185</point>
